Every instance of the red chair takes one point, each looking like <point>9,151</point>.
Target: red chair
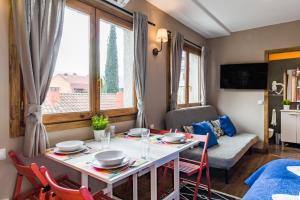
<point>27,172</point>
<point>191,167</point>
<point>60,193</point>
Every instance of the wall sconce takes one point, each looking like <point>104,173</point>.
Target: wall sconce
<point>162,37</point>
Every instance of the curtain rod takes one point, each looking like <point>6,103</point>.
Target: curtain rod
<point>188,41</point>
<point>123,10</point>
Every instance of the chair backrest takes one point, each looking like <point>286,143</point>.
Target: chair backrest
<point>61,193</point>
<point>23,170</point>
<point>204,139</point>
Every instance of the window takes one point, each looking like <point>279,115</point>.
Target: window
<point>94,68</point>
<point>189,82</point>
<point>71,74</point>
<point>116,66</point>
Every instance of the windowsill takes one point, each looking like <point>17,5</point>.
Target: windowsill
<point>85,123</point>
<point>189,105</point>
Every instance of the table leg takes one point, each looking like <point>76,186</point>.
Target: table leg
<point>135,186</point>
<point>176,178</point>
<point>110,190</point>
<point>153,186</point>
<point>84,180</point>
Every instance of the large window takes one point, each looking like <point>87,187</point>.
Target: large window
<point>189,82</point>
<point>94,68</point>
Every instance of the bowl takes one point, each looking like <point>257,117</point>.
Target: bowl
<point>136,132</point>
<point>71,145</point>
<point>110,157</point>
<point>173,137</point>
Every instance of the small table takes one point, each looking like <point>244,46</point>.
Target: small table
<point>159,155</point>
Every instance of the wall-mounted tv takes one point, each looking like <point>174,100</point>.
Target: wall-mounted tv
<point>244,76</point>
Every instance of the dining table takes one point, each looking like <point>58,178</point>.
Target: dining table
<point>159,154</point>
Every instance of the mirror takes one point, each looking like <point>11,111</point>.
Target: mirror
<point>292,85</point>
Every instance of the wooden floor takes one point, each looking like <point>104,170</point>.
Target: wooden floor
<point>244,168</point>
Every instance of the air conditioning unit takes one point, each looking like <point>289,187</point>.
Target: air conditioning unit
<point>120,3</point>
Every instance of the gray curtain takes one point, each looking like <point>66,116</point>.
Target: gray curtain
<point>140,26</point>
<point>203,75</point>
<point>176,57</point>
<point>38,28</point>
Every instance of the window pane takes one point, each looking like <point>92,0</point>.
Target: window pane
<point>116,66</point>
<point>182,80</point>
<point>69,87</point>
<point>194,74</point>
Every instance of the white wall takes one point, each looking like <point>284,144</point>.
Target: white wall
<point>243,47</point>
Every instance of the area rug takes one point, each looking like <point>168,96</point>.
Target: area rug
<point>187,193</point>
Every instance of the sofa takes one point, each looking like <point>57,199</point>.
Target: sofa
<point>229,149</point>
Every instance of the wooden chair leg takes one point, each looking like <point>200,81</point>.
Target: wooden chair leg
<point>198,182</point>
<point>208,178</point>
<point>18,186</point>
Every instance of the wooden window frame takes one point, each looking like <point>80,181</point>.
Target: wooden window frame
<point>189,49</point>
<point>71,120</point>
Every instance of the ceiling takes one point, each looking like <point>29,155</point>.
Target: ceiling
<point>215,18</point>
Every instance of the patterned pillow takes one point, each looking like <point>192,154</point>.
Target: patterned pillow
<point>188,129</point>
<point>217,127</point>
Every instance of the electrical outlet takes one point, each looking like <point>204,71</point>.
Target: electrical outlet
<point>2,154</point>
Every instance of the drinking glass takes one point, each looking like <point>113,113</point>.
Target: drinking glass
<point>145,142</point>
<point>112,130</point>
<point>105,139</point>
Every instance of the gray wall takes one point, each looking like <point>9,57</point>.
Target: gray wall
<point>246,47</point>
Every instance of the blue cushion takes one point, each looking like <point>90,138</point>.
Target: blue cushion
<point>202,128</point>
<point>227,126</point>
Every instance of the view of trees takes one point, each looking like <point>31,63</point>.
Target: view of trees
<point>111,84</point>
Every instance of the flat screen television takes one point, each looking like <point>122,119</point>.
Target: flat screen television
<point>244,76</point>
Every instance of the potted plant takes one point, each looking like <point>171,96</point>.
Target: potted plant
<point>99,124</point>
<point>286,104</point>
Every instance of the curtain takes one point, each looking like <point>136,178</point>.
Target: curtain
<point>203,75</point>
<point>38,28</point>
<point>140,26</point>
<point>176,57</point>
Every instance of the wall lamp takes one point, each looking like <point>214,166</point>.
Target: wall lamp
<point>162,37</point>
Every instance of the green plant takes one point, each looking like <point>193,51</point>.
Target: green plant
<point>286,102</point>
<point>99,122</point>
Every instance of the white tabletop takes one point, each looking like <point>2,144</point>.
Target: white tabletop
<point>132,147</point>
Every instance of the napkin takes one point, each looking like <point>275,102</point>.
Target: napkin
<point>285,197</point>
<point>294,169</point>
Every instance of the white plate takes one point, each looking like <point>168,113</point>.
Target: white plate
<point>71,145</point>
<point>174,137</point>
<point>110,157</point>
<point>98,165</point>
<point>136,132</point>
<point>58,151</point>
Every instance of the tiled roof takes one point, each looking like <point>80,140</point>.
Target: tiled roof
<point>77,102</point>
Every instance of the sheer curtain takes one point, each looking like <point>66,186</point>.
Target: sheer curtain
<point>38,29</point>
<point>140,26</point>
<point>176,57</point>
<point>203,75</point>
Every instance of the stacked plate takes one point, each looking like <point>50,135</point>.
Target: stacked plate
<point>69,147</point>
<point>174,138</point>
<point>136,132</point>
<point>111,159</point>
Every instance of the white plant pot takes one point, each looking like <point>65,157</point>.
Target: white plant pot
<point>286,107</point>
<point>98,134</point>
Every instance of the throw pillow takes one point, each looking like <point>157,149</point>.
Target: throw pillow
<point>217,127</point>
<point>188,129</point>
<point>227,126</point>
<point>202,128</point>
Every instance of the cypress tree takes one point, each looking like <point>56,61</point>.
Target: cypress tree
<point>111,66</point>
